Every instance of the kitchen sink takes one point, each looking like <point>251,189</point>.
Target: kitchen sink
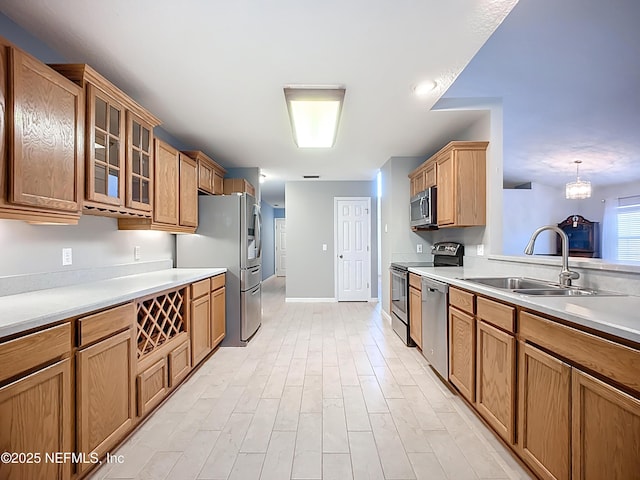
<point>512,283</point>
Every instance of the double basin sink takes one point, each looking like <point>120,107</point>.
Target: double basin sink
<point>530,286</point>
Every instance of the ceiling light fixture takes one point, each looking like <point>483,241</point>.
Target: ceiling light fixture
<point>314,111</point>
<point>424,88</point>
<point>263,177</point>
<point>580,188</point>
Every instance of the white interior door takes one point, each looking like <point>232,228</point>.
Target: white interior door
<point>281,247</point>
<point>353,248</point>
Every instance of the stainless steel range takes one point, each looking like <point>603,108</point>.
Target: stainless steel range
<point>444,254</point>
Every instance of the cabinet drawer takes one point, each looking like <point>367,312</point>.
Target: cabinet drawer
<point>461,299</point>
<point>102,324</point>
<point>497,314</point>
<point>217,282</point>
<point>152,386</point>
<point>30,351</point>
<point>179,363</point>
<point>612,360</point>
<point>200,288</point>
<point>415,281</point>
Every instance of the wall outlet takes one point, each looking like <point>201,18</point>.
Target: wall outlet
<point>67,257</point>
<point>419,248</point>
<point>480,250</point>
<point>324,247</point>
<point>136,252</point>
<point>386,228</point>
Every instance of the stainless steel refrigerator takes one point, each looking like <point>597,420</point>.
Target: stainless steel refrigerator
<point>228,236</point>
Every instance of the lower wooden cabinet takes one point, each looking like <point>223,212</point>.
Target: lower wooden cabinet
<point>415,315</point>
<point>152,386</point>
<point>200,328</point>
<point>544,413</point>
<point>462,341</point>
<point>218,313</point>
<point>105,393</point>
<point>179,363</point>
<point>496,378</point>
<point>606,430</point>
<point>35,417</point>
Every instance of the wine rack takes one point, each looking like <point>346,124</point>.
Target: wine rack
<point>160,319</point>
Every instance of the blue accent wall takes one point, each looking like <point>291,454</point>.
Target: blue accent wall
<point>268,241</point>
<point>23,39</point>
<point>278,213</point>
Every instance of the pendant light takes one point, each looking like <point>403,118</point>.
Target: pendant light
<point>580,188</point>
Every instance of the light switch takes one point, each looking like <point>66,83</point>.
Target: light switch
<point>480,250</point>
<point>136,252</point>
<point>324,247</point>
<point>419,248</point>
<point>67,258</point>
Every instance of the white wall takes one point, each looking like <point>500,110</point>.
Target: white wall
<point>95,242</point>
<point>310,223</point>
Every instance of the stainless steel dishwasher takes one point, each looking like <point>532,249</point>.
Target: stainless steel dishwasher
<point>435,343</point>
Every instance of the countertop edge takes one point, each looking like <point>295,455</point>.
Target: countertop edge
<point>546,306</point>
<point>159,280</point>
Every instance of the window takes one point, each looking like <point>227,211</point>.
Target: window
<point>628,214</point>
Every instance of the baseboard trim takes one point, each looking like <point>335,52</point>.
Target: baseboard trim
<point>309,300</point>
<point>386,316</point>
<point>373,300</point>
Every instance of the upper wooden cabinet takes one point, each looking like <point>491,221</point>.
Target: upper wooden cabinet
<point>238,185</point>
<point>119,157</point>
<point>41,149</point>
<point>210,174</point>
<point>459,173</point>
<point>175,203</point>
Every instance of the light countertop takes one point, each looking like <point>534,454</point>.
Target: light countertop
<point>25,311</point>
<point>616,315</point>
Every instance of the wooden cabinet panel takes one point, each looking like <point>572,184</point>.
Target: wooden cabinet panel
<point>429,175</point>
<point>217,281</point>
<point>188,192</point>
<point>200,288</point>
<point>544,413</point>
<point>496,313</point>
<point>105,393</point>
<point>462,341</point>
<point>200,329</point>
<point>496,379</point>
<point>416,179</point>
<point>179,363</point>
<point>47,116</point>
<point>238,185</point>
<point>462,300</point>
<point>606,430</point>
<point>31,351</point>
<point>210,174</point>
<point>205,177</point>
<point>35,416</point>
<point>218,314</point>
<point>446,205</point>
<point>415,315</point>
<point>167,173</point>
<point>218,183</point>
<point>152,386</point>
<point>99,325</point>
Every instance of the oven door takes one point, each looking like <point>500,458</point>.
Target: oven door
<point>399,300</point>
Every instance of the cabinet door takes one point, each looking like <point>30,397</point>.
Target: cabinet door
<point>188,191</point>
<point>45,157</point>
<point>218,313</point>
<point>152,385</point>
<point>166,183</point>
<point>430,175</point>
<point>179,363</point>
<point>105,148</point>
<point>544,419</point>
<point>446,205</point>
<point>205,176</point>
<point>606,430</point>
<point>462,341</point>
<point>200,329</point>
<point>139,163</point>
<point>106,399</point>
<point>217,186</point>
<point>415,315</point>
<point>496,379</point>
<point>35,416</point>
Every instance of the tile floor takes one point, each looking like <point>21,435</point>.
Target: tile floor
<point>323,391</point>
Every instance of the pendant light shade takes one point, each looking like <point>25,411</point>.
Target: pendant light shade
<point>580,188</point>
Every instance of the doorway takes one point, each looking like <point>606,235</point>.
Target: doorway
<point>352,227</point>
<point>281,247</point>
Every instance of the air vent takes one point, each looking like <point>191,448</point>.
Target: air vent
<point>311,176</point>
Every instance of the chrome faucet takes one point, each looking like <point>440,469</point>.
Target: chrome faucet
<point>566,275</point>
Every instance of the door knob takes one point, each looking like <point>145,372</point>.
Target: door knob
<point>340,256</point>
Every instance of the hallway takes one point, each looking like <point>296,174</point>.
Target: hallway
<point>323,391</point>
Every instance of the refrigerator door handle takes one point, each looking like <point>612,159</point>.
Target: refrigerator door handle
<point>258,226</point>
<point>256,291</point>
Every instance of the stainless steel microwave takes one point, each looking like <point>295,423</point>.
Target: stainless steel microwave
<point>423,209</point>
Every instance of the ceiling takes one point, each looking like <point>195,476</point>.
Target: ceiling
<point>568,73</point>
<point>214,71</point>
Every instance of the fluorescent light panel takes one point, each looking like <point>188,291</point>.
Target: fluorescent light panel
<point>314,112</point>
